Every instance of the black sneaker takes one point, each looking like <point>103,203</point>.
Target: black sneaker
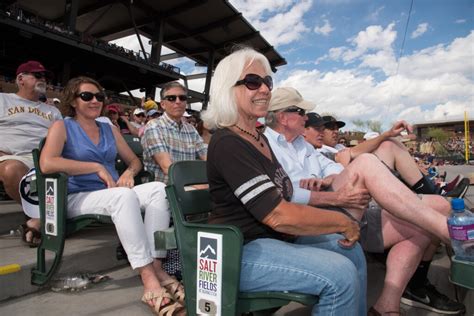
<point>460,190</point>
<point>429,298</point>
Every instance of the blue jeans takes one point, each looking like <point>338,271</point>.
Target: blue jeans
<point>314,265</point>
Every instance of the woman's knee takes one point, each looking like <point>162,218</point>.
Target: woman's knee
<point>126,195</point>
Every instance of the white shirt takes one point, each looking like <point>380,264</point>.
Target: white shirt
<point>300,160</point>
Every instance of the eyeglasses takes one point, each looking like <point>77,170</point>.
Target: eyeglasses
<point>140,115</point>
<point>172,97</point>
<point>88,96</point>
<point>37,75</point>
<point>332,127</point>
<point>254,82</point>
<point>319,129</point>
<point>299,111</point>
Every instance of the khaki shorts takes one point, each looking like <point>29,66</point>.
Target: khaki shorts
<point>27,159</point>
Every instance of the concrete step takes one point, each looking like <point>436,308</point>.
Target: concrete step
<point>11,216</point>
<point>121,296</point>
<point>90,250</point>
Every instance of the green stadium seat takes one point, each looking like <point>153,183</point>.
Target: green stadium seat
<point>190,208</point>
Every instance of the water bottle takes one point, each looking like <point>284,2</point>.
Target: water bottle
<point>461,230</point>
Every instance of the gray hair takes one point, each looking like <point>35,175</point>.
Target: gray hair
<point>222,111</point>
<point>271,120</point>
<point>171,85</point>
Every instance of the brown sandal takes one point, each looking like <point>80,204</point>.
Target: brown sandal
<point>35,235</point>
<point>175,288</point>
<point>170,309</point>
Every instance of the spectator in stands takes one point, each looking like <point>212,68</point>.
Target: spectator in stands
<point>170,138</point>
<point>288,247</point>
<point>149,104</point>
<point>380,229</point>
<point>120,121</point>
<point>342,141</point>
<point>152,114</point>
<point>24,121</point>
<point>139,118</point>
<point>85,150</point>
<point>56,102</point>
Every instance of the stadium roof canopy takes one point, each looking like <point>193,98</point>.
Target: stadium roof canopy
<point>203,30</point>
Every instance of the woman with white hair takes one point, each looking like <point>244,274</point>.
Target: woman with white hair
<point>288,247</point>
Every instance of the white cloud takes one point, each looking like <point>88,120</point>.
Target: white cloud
<point>373,38</point>
<point>457,57</point>
<point>460,21</point>
<point>420,30</point>
<point>252,10</point>
<point>374,16</point>
<point>285,26</point>
<point>324,29</point>
<point>430,82</point>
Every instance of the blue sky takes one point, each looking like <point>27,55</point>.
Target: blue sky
<point>343,55</point>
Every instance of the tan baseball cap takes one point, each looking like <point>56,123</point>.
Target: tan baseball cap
<point>286,97</point>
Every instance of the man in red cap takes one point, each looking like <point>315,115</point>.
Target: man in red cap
<point>24,121</point>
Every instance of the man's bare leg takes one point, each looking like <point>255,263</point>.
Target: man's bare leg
<point>392,195</point>
<point>408,244</point>
<point>397,157</point>
<point>11,172</point>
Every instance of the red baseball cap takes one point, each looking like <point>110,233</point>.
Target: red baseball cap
<point>114,107</point>
<point>32,66</point>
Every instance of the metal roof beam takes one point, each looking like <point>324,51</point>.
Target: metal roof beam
<point>170,56</point>
<point>196,76</point>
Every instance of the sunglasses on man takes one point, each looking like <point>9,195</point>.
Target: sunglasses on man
<point>254,82</point>
<point>87,96</point>
<point>140,115</point>
<point>37,75</point>
<point>299,111</point>
<point>172,97</point>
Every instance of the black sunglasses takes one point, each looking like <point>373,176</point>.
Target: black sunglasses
<point>38,75</point>
<point>140,115</point>
<point>254,82</point>
<point>172,97</point>
<point>87,96</point>
<point>299,111</point>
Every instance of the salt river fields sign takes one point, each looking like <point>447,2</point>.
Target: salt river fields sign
<point>209,274</point>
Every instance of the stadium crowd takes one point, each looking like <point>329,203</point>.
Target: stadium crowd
<point>300,195</point>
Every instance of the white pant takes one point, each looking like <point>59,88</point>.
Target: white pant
<point>124,205</point>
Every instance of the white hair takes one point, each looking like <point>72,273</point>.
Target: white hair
<point>222,111</point>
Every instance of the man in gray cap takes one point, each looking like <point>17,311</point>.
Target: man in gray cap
<point>316,182</point>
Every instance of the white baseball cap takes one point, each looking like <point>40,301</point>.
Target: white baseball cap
<point>138,111</point>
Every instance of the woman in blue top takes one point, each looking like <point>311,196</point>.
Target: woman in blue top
<point>85,150</point>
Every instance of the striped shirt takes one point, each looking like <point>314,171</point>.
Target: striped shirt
<point>181,141</point>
